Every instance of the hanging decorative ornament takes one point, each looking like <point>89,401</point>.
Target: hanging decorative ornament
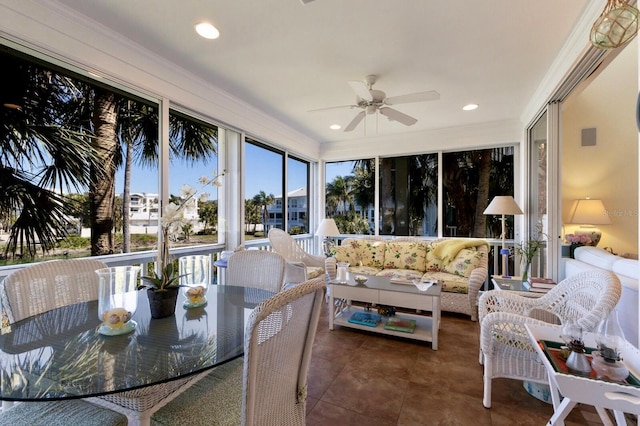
<point>616,25</point>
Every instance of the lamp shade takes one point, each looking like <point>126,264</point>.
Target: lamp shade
<point>588,212</point>
<point>503,204</point>
<point>328,228</point>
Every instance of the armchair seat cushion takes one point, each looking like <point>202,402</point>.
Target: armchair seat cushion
<point>314,271</point>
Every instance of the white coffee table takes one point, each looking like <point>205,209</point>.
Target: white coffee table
<point>381,291</point>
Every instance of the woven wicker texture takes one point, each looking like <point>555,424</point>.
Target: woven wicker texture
<point>60,413</point>
<point>271,388</point>
<point>585,298</point>
<point>256,268</point>
<point>49,285</point>
<point>286,246</point>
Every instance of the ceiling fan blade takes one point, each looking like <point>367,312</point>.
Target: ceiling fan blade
<point>361,90</point>
<point>356,120</point>
<point>396,115</point>
<point>306,1</point>
<point>431,95</point>
<point>335,107</point>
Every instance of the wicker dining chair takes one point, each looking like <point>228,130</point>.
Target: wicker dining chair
<point>586,299</point>
<point>44,286</point>
<point>301,266</point>
<point>268,386</point>
<point>256,268</point>
<point>37,289</point>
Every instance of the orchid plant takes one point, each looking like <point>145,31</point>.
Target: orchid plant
<point>582,239</point>
<point>165,276</point>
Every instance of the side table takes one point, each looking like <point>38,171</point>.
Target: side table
<point>621,398</point>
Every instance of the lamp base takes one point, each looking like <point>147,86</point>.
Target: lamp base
<point>591,232</point>
<point>327,246</point>
<point>505,263</point>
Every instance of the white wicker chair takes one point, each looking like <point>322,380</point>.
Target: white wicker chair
<point>40,288</point>
<point>585,298</point>
<point>44,286</point>
<point>256,268</point>
<point>301,265</point>
<point>270,386</point>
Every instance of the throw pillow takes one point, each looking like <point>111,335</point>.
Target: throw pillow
<point>405,255</point>
<point>464,263</point>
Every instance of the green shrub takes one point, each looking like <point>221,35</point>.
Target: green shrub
<point>74,242</point>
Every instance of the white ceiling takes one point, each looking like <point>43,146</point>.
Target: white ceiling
<point>288,58</point>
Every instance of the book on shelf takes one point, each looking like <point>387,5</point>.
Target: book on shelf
<point>365,318</point>
<point>405,325</point>
<point>537,282</point>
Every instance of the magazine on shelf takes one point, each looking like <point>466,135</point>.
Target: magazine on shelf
<point>365,318</point>
<point>399,279</point>
<point>405,325</point>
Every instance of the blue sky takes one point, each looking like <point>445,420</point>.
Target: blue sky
<point>263,173</point>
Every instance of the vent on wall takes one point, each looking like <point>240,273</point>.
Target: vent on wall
<point>589,137</point>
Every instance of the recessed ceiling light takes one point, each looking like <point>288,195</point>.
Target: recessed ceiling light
<point>207,30</point>
<point>470,107</point>
<point>335,127</point>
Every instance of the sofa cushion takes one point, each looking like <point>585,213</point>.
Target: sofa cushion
<point>345,252</point>
<point>464,263</point>
<point>372,253</point>
<point>405,255</point>
<point>626,267</point>
<point>450,283</point>
<point>361,253</point>
<point>596,257</point>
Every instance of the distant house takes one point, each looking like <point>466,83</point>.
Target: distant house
<point>144,210</point>
<point>297,208</point>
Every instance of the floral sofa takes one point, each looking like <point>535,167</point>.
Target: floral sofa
<point>460,264</point>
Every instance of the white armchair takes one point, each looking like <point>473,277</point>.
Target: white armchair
<point>301,266</point>
<point>506,351</point>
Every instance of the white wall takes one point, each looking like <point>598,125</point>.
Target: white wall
<point>608,170</point>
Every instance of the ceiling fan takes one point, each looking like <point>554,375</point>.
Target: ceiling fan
<point>372,101</point>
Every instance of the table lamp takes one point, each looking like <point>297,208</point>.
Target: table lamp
<point>587,213</point>
<point>503,205</point>
<point>327,229</point>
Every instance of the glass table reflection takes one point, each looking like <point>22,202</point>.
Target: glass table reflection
<point>59,354</point>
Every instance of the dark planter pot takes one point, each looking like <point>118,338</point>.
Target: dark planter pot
<point>162,303</point>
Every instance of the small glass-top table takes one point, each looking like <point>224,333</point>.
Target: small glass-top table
<point>511,283</point>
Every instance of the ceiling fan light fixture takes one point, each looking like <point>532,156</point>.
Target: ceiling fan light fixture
<point>335,127</point>
<point>470,107</point>
<point>207,30</point>
<point>617,25</point>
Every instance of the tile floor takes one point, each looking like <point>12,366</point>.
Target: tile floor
<point>363,378</point>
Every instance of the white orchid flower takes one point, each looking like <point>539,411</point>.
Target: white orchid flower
<point>204,181</point>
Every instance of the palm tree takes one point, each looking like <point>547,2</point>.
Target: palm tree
<point>263,201</point>
<point>44,153</point>
<point>340,191</point>
<point>102,190</point>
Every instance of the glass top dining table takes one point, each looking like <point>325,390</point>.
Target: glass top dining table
<point>59,354</point>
